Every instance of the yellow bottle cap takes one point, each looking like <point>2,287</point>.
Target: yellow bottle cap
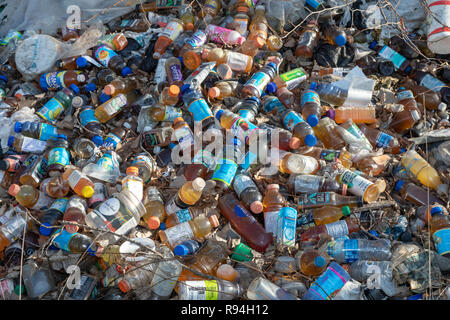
<point>87,192</point>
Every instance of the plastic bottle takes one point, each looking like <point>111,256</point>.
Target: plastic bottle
<point>301,183</point>
<point>188,195</point>
<point>241,20</point>
<point>173,29</point>
<point>202,163</point>
<point>154,206</point>
<point>262,289</point>
<point>30,197</point>
<point>248,108</point>
<point>165,113</point>
<point>272,203</point>
<point>290,80</point>
<point>350,250</point>
<point>238,62</point>
<point>430,99</point>
<point>335,229</point>
<point>379,139</point>
<point>61,79</point>
<point>186,248</point>
<point>313,262</point>
<point>35,173</point>
<point>55,187</point>
<point>177,218</point>
<point>198,107</point>
<point>194,43</point>
<point>284,95</point>
<point>133,182</point>
<point>169,95</point>
<point>352,128</point>
<point>258,82</point>
<point>76,210</point>
<point>244,223</point>
<point>293,163</point>
<point>52,216</point>
<point>339,72</point>
<point>36,130</point>
<point>183,133</point>
<point>301,130</point>
<point>427,80</point>
<point>310,104</point>
<point>165,277</point>
<point>248,192</point>
<point>373,165</point>
<point>361,269</point>
<point>120,85</point>
<point>440,230</point>
<point>328,155</point>
<point>79,182</point>
<point>72,63</point>
<point>58,156</point>
<point>386,52</point>
<point>208,290</point>
<point>112,107</point>
<point>223,35</point>
<point>358,115</point>
<point>110,59</point>
<point>405,120</point>
<point>173,71</point>
<point>222,90</point>
<point>328,284</point>
<point>413,193</point>
<point>334,35</point>
<point>227,166</point>
<point>272,105</point>
<point>309,38</point>
<point>23,144</point>
<point>74,242</point>
<point>13,229</point>
<point>159,5</point>
<point>193,229</point>
<point>58,104</point>
<point>259,27</point>
<point>359,186</point>
<point>421,169</point>
<point>139,277</point>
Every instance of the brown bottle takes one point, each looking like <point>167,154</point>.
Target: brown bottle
<point>136,25</point>
<point>327,133</point>
<point>379,139</point>
<point>36,172</point>
<point>309,38</point>
<point>68,34</point>
<point>120,85</point>
<point>328,155</point>
<point>272,202</point>
<point>55,187</point>
<point>415,194</point>
<point>428,98</point>
<point>405,119</point>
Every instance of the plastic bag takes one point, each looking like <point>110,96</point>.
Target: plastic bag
<point>284,14</point>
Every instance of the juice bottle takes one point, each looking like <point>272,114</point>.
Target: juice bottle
<point>440,229</point>
<point>76,210</point>
<point>193,229</point>
<point>58,104</point>
<point>373,165</point>
<point>194,43</point>
<point>335,229</point>
<point>415,194</point>
<point>36,130</point>
<point>133,182</point>
<point>227,166</point>
<point>116,136</point>
<point>223,89</point>
<point>290,79</point>
<point>358,115</point>
<point>258,82</point>
<point>241,20</point>
<point>173,71</point>
<point>405,120</point>
<point>325,215</point>
<point>164,113</point>
<point>61,79</point>
<point>302,183</point>
<point>259,27</point>
<point>23,144</point>
<point>351,127</point>
<point>173,29</point>
<point>223,35</point>
<point>183,133</point>
<point>248,192</point>
<point>120,85</point>
<point>272,203</point>
<point>30,197</point>
<point>272,105</point>
<point>198,107</point>
<point>328,285</point>
<point>210,9</point>
<point>35,172</point>
<point>301,130</point>
<point>78,181</point>
<point>339,72</point>
<point>136,25</point>
<point>421,169</point>
<point>90,122</point>
<point>111,108</point>
<point>169,95</point>
<point>379,139</point>
<point>12,230</point>
<point>430,99</point>
<point>188,247</point>
<point>248,109</point>
<point>188,18</point>
<point>359,186</point>
<point>189,194</point>
<point>243,222</point>
<point>159,5</point>
<point>309,38</point>
<point>55,187</point>
<point>74,243</point>
<point>297,163</point>
<point>202,163</point>
<point>110,59</point>
<point>312,262</point>
<point>310,104</point>
<point>58,156</point>
<point>72,63</point>
<point>177,218</point>
<point>386,52</point>
<point>334,35</point>
<point>287,97</point>
<point>154,206</point>
<point>320,199</point>
<point>249,48</point>
<point>238,62</point>
<point>52,216</point>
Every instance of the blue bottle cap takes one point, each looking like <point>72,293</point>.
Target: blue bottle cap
<point>4,78</point>
<point>10,141</point>
<point>313,120</point>
<point>273,65</point>
<point>398,186</point>
<point>416,297</point>
<point>17,127</point>
<point>81,62</point>
<point>90,87</point>
<point>45,229</point>
<point>401,89</point>
<point>185,88</point>
<point>320,261</point>
<point>254,99</point>
<point>372,45</point>
<point>402,150</point>
<point>162,226</point>
<point>181,250</point>
<point>340,40</point>
<point>313,86</point>
<point>271,87</point>
<point>104,97</point>
<point>408,69</point>
<point>74,88</point>
<point>219,114</point>
<point>436,210</point>
<point>97,140</point>
<point>62,136</point>
<point>126,71</point>
<point>310,140</point>
<point>374,233</point>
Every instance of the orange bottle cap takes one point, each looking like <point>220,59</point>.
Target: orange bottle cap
<point>191,60</point>
<point>214,92</point>
<point>273,186</point>
<point>70,228</point>
<point>109,89</point>
<point>242,9</point>
<point>124,286</point>
<point>260,42</point>
<point>189,26</point>
<point>132,171</point>
<point>256,207</point>
<point>179,119</point>
<point>214,221</point>
<point>174,90</point>
<point>14,189</point>
<point>153,222</point>
<point>294,143</point>
<point>87,191</point>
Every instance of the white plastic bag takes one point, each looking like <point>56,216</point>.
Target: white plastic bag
<point>438,39</point>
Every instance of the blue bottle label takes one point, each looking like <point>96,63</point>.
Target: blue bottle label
<point>88,116</point>
<point>327,285</point>
<point>351,250</point>
<point>245,114</point>
<point>200,110</point>
<point>259,81</point>
<point>240,211</point>
<point>291,119</point>
<point>396,58</point>
<point>383,140</point>
<point>225,172</point>
<point>442,241</point>
<point>111,139</point>
<point>274,105</point>
<point>287,225</point>
<point>13,34</point>
<point>53,80</point>
<point>51,110</point>
<point>310,96</point>
<point>103,54</point>
<point>60,205</point>
<point>47,132</point>
<point>250,158</point>
<point>106,163</point>
<point>58,155</point>
<point>62,239</point>
<point>184,215</point>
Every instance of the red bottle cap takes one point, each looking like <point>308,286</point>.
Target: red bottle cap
<point>14,189</point>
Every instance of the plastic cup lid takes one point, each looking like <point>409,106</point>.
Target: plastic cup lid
<point>340,40</point>
<point>17,127</point>
<point>313,120</point>
<point>45,229</point>
<point>74,88</point>
<point>87,191</point>
<point>320,261</point>
<point>398,186</point>
<point>346,211</point>
<point>153,222</point>
<point>256,207</point>
<point>310,140</point>
<point>81,62</point>
<point>98,141</point>
<point>181,250</point>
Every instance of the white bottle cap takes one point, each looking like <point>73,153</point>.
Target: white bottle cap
<point>198,184</point>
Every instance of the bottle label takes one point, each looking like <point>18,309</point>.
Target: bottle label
<point>359,184</point>
<point>111,138</point>
<point>184,137</point>
<point>218,34</point>
<point>330,155</point>
<point>197,39</point>
<point>200,110</point>
<point>43,202</point>
<point>293,78</point>
<point>406,94</point>
<point>115,216</point>
<point>225,172</point>
<point>173,206</point>
<point>396,58</point>
<point>6,287</point>
<point>99,194</point>
<point>241,183</point>
<point>114,105</point>
<point>160,72</point>
<point>53,80</point>
<point>63,238</point>
<point>337,229</point>
<point>310,96</point>
<point>259,81</point>
<point>179,233</point>
<point>59,155</point>
<point>415,115</point>
<point>172,30</point>
<point>88,116</point>
<point>13,34</point>
<point>383,140</point>
<point>60,205</point>
<point>245,113</point>
<point>175,72</point>
<point>201,290</point>
<point>274,105</point>
<point>442,241</point>
<point>237,61</point>
<point>40,171</point>
<point>74,178</point>
<point>291,119</point>
<point>271,222</point>
<point>286,226</point>
<point>104,54</point>
<point>351,250</point>
<point>318,199</point>
<point>106,162</point>
<point>47,132</point>
<point>432,83</point>
<point>354,130</point>
<point>51,110</point>
<point>183,215</point>
<point>305,219</point>
<point>172,113</point>
<point>204,157</point>
<point>306,183</point>
<point>135,187</point>
<point>33,145</point>
<point>328,284</point>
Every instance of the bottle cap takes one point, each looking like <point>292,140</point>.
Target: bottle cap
<point>386,68</point>
<point>398,186</point>
<point>81,62</point>
<point>87,191</point>
<point>273,186</point>
<point>295,143</point>
<point>45,229</point>
<point>273,65</point>
<point>313,120</point>
<point>242,253</point>
<point>97,140</point>
<point>109,89</point>
<point>408,69</point>
<point>260,42</point>
<point>77,102</point>
<point>436,210</point>
<point>313,86</point>
<point>178,119</point>
<point>192,60</point>
<point>198,184</point>
<point>254,99</point>
<point>331,114</point>
<point>214,221</point>
<point>4,78</point>
<point>256,207</point>
<point>174,90</point>
<point>205,53</point>
<point>189,26</point>
<point>219,114</point>
<point>185,88</point>
<point>242,9</point>
<point>124,286</point>
<point>340,40</point>
<point>320,261</point>
<point>74,88</point>
<point>227,272</point>
<point>346,211</point>
<point>104,97</point>
<point>162,226</point>
<point>14,189</point>
<point>62,136</point>
<point>372,45</point>
<point>10,141</point>
<point>132,170</point>
<point>126,71</point>
<point>310,140</point>
<point>374,233</point>
<point>17,127</point>
<point>214,92</point>
<point>401,89</point>
<point>153,223</point>
<point>181,250</point>
<point>271,87</point>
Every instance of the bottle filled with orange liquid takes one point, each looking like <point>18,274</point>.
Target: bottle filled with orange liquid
<point>309,38</point>
<point>259,27</point>
<point>187,196</point>
<point>30,197</point>
<point>164,113</point>
<point>170,95</point>
<point>405,119</point>
<point>173,29</point>
<point>325,215</point>
<point>154,206</point>
<point>120,85</point>
<point>78,182</point>
<point>379,139</point>
<point>357,114</point>
<point>359,186</point>
<point>313,262</point>
<point>113,106</point>
<point>55,187</point>
<point>133,182</point>
<point>223,89</point>
<point>421,169</point>
<point>327,133</point>
<point>373,165</point>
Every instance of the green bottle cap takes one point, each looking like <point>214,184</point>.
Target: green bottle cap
<point>18,288</point>
<point>242,253</point>
<point>346,211</point>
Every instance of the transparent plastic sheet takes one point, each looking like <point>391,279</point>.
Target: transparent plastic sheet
<point>284,13</point>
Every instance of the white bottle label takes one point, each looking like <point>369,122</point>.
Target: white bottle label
<point>135,187</point>
<point>432,83</point>
<point>311,165</point>
<point>337,229</point>
<point>415,115</point>
<point>179,233</point>
<point>359,184</point>
<point>237,62</point>
<point>33,145</point>
<point>270,222</point>
<point>74,177</point>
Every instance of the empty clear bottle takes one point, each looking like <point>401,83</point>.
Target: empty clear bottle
<point>350,250</point>
<point>166,275</point>
<point>362,269</point>
<point>208,290</point>
<point>263,289</point>
<point>294,163</point>
<point>301,183</point>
